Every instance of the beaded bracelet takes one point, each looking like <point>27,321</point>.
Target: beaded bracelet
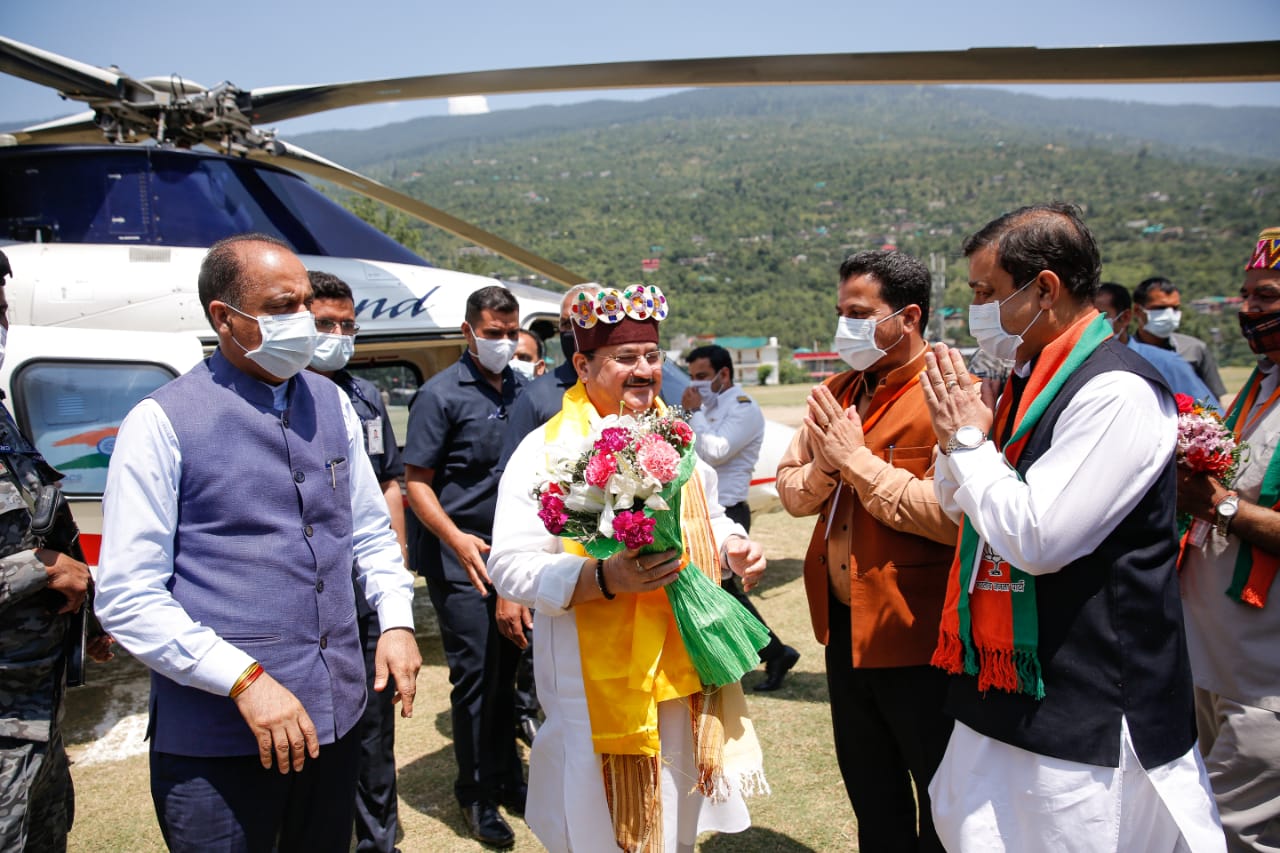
<point>604,589</point>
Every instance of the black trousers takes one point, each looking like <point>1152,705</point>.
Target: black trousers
<point>741,513</point>
<point>889,731</point>
<point>235,804</point>
<point>376,815</point>
<point>482,670</point>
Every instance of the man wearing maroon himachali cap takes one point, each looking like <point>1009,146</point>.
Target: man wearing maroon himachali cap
<point>586,785</point>
<point>1228,580</point>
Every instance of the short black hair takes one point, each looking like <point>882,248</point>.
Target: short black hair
<point>1118,294</point>
<point>717,355</point>
<point>494,298</point>
<point>5,269</point>
<point>1142,293</point>
<point>1042,237</point>
<point>326,285</point>
<point>541,348</point>
<point>904,280</point>
<point>221,274</point>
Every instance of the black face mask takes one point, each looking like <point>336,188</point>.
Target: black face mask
<point>1261,329</point>
<point>569,344</point>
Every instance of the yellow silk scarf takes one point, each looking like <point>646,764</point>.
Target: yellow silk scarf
<point>631,652</point>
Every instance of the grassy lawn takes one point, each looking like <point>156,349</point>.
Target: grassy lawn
<point>808,810</point>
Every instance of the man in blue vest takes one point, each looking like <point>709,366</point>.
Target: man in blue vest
<point>233,513</point>
<point>1071,686</point>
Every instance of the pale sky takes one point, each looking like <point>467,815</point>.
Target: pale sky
<point>325,41</point>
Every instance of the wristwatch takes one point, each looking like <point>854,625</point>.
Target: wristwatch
<point>1225,511</point>
<point>965,438</point>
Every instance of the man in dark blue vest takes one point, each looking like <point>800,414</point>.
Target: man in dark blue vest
<point>232,516</point>
<point>1072,689</point>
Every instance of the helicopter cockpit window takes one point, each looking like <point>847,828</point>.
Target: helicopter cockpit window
<point>166,197</point>
<point>72,410</point>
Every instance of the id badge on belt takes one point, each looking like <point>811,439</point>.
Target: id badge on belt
<point>373,436</point>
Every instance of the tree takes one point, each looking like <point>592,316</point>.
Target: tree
<point>763,372</point>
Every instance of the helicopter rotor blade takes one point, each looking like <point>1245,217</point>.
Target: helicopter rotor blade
<point>304,161</point>
<point>72,129</point>
<point>77,80</point>
<point>1181,63</point>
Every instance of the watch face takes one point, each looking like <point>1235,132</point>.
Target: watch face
<point>969,436</point>
<point>1228,507</point>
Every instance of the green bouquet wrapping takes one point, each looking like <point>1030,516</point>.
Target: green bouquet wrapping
<point>625,491</point>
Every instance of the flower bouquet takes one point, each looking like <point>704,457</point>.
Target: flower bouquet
<point>1206,445</point>
<point>621,489</point>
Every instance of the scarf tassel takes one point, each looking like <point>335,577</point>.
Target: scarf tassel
<point>1011,670</point>
<point>632,789</point>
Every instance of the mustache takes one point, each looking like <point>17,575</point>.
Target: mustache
<point>639,383</point>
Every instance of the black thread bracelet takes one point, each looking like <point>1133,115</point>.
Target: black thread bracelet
<point>604,590</point>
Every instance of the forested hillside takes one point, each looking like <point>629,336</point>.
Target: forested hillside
<point>748,199</point>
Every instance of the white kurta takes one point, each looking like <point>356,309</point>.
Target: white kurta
<point>566,808</point>
<point>1111,442</point>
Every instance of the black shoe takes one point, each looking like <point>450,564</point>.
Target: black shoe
<point>527,730</point>
<point>513,798</point>
<point>776,670</point>
<point>488,826</point>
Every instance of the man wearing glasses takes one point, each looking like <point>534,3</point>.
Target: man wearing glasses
<point>335,311</point>
<point>457,423</point>
<point>589,784</point>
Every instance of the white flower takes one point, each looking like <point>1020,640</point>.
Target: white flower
<point>584,498</point>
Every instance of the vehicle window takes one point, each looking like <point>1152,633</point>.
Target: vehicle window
<point>72,411</point>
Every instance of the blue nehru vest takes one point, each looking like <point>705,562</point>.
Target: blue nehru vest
<point>262,551</point>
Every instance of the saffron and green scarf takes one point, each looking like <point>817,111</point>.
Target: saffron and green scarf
<point>1255,568</point>
<point>993,631</point>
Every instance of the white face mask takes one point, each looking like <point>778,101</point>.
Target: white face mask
<point>4,340</point>
<point>288,342</point>
<point>985,326</point>
<point>333,351</point>
<point>493,355</point>
<point>703,387</point>
<point>856,341</point>
<point>1162,322</point>
<point>524,368</point>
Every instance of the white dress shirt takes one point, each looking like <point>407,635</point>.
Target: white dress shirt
<point>729,434</point>
<point>140,517</point>
<point>1109,446</point>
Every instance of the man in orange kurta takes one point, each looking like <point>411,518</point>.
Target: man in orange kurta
<point>876,569</point>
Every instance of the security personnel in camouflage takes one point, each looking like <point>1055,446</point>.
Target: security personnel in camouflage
<point>39,590</point>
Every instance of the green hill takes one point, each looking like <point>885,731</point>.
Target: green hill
<point>750,198</point>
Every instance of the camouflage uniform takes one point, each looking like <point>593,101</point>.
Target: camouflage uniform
<point>36,799</point>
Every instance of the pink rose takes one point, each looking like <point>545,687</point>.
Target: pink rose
<point>683,432</point>
<point>613,439</point>
<point>600,468</point>
<point>633,528</point>
<point>552,513</point>
<point>658,458</point>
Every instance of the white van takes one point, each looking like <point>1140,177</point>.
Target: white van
<point>69,389</point>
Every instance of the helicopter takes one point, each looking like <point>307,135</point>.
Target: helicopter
<point>106,214</point>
